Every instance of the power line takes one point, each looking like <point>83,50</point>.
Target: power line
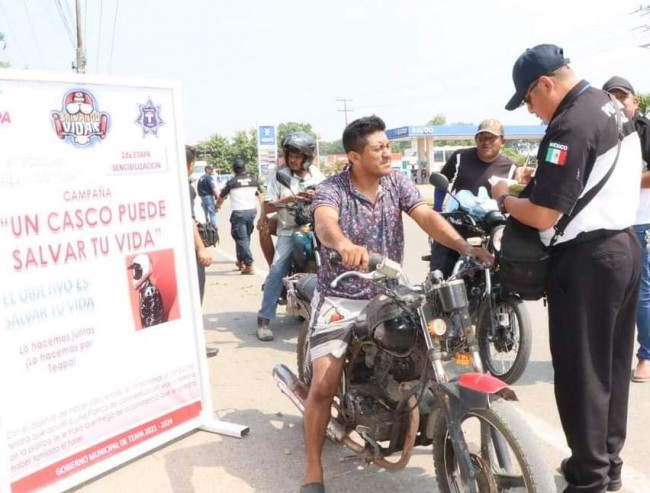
<point>14,39</point>
<point>99,30</point>
<point>345,108</point>
<point>31,26</point>
<point>110,60</point>
<point>66,23</point>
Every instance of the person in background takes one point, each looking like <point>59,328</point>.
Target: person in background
<point>595,265</point>
<point>622,90</point>
<point>469,169</point>
<point>208,192</point>
<point>299,151</point>
<point>246,194</point>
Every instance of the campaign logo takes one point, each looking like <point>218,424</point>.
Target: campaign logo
<point>149,118</point>
<point>79,122</point>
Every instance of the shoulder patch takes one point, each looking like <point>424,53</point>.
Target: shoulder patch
<point>556,153</point>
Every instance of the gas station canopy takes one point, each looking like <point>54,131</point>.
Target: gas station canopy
<point>463,132</point>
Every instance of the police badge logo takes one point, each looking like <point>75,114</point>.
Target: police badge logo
<point>79,122</point>
<point>149,119</point>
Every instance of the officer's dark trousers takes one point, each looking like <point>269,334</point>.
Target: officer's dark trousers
<point>592,292</point>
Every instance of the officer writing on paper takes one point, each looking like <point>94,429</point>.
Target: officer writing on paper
<point>595,265</point>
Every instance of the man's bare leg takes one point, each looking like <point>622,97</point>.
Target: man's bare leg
<point>325,381</point>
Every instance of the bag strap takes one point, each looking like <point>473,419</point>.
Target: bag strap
<point>586,198</point>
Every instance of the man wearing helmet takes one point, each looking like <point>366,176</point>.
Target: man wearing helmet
<point>299,151</point>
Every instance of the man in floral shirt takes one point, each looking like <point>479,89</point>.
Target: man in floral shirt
<point>356,212</point>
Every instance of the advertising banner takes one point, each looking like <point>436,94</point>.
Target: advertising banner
<point>267,150</point>
<point>101,345</point>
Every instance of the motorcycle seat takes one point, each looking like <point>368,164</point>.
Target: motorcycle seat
<point>306,286</point>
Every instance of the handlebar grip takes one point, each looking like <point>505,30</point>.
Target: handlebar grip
<point>374,259</point>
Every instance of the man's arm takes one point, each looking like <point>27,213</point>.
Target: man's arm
<point>440,230</point>
<point>524,211</point>
<point>329,233</point>
<point>202,253</point>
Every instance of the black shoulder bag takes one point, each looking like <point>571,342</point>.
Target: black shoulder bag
<point>209,234</point>
<point>523,259</point>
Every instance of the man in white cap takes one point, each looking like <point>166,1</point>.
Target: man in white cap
<point>469,169</point>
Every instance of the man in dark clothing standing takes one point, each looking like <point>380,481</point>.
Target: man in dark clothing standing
<point>469,169</point>
<point>622,90</point>
<point>595,266</point>
<point>245,192</point>
<point>207,190</point>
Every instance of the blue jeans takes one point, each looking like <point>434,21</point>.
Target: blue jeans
<point>208,203</point>
<point>279,269</point>
<point>643,305</point>
<point>241,229</point>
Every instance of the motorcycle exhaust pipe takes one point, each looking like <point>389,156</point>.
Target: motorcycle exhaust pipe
<point>295,390</point>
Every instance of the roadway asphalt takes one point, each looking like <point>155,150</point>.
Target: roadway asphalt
<point>270,457</point>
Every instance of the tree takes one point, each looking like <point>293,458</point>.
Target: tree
<point>644,103</point>
<point>437,120</point>
<point>244,146</point>
<point>2,47</point>
<point>334,147</point>
<point>216,151</point>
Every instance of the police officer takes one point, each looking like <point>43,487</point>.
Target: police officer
<point>595,265</point>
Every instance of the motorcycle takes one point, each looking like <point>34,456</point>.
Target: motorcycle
<point>502,320</point>
<point>395,392</point>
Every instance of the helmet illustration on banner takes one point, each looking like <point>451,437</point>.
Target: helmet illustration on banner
<point>79,101</point>
<point>151,306</point>
<point>302,143</point>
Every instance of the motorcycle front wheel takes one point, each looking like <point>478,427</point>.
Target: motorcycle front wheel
<point>504,351</point>
<point>503,453</point>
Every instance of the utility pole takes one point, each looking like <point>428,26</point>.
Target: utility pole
<point>80,66</point>
<point>641,11</point>
<point>345,108</point>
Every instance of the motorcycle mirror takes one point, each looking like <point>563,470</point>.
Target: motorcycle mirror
<point>284,179</point>
<point>439,180</point>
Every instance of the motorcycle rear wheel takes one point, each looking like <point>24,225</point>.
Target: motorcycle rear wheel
<point>503,452</point>
<point>506,353</point>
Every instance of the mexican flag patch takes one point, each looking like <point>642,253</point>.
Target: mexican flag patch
<point>556,153</point>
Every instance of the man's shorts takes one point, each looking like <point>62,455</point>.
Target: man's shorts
<point>332,337</point>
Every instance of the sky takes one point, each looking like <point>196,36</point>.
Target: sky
<point>243,63</point>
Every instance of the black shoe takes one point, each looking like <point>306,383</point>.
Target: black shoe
<point>615,484</point>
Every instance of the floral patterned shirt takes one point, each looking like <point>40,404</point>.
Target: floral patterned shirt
<point>377,226</point>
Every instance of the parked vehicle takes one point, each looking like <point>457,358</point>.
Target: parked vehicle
<point>395,392</point>
<point>503,324</point>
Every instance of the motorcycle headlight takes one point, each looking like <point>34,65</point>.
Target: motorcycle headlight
<point>497,236</point>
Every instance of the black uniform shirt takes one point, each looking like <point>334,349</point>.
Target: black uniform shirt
<point>577,150</point>
<point>472,173</point>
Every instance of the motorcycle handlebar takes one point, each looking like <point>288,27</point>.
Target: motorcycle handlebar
<point>374,259</point>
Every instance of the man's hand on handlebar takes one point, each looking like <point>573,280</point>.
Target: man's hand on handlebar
<point>354,257</point>
<point>481,254</point>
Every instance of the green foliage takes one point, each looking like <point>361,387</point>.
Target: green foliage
<point>334,147</point>
<point>2,47</point>
<point>644,103</point>
<point>437,120</point>
<point>514,155</point>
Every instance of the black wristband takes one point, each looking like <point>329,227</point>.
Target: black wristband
<point>501,203</point>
